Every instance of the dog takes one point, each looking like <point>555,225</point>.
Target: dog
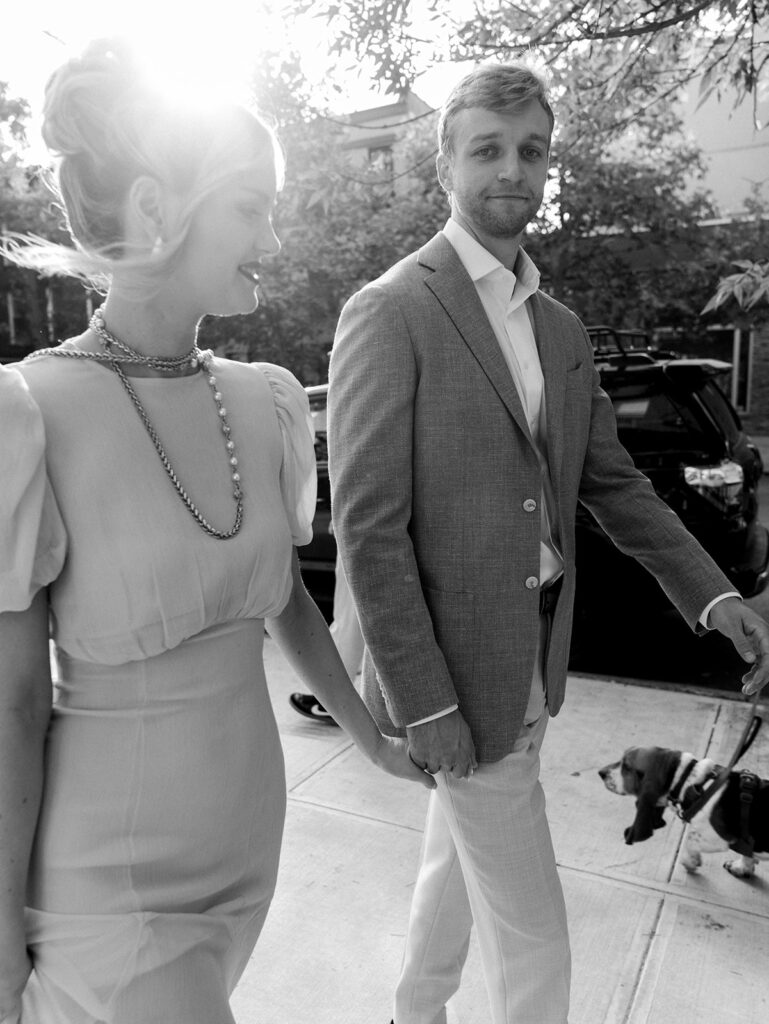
<point>659,778</point>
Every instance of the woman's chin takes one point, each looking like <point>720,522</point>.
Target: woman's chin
<point>250,303</point>
<point>242,307</point>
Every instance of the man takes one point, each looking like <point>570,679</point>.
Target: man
<point>466,421</point>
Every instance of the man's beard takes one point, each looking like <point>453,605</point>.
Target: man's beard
<point>497,223</point>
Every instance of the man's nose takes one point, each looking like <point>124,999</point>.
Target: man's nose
<point>511,168</point>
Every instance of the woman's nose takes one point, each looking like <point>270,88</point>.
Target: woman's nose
<point>269,243</point>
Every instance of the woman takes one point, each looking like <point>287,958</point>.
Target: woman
<point>151,497</point>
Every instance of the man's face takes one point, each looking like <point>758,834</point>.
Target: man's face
<point>497,171</point>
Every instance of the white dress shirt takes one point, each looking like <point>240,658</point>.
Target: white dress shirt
<point>503,295</point>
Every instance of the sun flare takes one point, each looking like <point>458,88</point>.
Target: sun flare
<point>205,50</point>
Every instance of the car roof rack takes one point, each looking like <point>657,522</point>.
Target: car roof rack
<point>623,346</point>
<point>612,345</point>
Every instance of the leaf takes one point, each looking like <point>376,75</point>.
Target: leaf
<point>318,196</point>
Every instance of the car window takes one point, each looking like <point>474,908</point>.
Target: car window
<point>652,418</point>
<point>720,410</point>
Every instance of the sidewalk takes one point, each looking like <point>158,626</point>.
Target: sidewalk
<point>651,944</point>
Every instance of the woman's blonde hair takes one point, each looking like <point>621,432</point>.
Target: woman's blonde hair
<point>106,127</point>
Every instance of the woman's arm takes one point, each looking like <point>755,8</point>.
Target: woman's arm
<point>303,636</point>
<point>25,708</point>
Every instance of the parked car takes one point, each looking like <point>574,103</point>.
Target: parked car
<point>682,432</point>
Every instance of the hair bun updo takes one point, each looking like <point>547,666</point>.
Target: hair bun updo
<point>108,127</point>
<point>83,96</point>
<point>93,104</point>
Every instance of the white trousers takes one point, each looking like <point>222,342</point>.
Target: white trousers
<point>487,858</point>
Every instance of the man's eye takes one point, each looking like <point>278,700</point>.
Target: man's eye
<point>485,152</point>
<point>532,154</point>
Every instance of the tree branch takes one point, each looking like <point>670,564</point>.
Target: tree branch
<point>628,30</point>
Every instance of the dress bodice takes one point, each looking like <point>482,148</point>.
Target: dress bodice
<point>87,508</point>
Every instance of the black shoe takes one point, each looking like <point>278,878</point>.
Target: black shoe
<point>305,704</point>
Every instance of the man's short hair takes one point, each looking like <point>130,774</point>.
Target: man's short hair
<point>497,87</point>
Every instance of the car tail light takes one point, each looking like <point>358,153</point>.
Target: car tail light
<point>722,484</point>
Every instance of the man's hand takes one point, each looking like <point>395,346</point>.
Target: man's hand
<point>750,635</point>
<point>444,743</point>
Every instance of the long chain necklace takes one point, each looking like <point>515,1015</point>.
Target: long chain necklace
<point>195,357</point>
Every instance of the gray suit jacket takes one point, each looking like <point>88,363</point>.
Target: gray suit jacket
<point>431,462</point>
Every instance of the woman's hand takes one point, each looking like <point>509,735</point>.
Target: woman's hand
<point>393,756</point>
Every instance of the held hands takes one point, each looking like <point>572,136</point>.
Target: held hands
<point>750,635</point>
<point>393,756</point>
<point>445,743</point>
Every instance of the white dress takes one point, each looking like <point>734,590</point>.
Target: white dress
<point>157,847</point>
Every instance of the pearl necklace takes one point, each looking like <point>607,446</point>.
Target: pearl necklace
<point>194,358</point>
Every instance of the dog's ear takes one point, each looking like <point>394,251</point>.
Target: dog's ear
<point>655,778</point>
<point>647,819</point>
<point>629,766</point>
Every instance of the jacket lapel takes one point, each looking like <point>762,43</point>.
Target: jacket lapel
<point>551,356</point>
<point>453,288</point>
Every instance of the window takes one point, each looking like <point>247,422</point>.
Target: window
<point>381,159</point>
<point>734,345</point>
<point>650,420</point>
<point>711,397</point>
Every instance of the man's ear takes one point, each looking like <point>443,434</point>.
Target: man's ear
<point>443,167</point>
<point>145,211</point>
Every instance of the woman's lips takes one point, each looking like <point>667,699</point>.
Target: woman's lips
<point>250,270</point>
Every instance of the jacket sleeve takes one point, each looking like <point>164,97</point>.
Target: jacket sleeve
<point>374,379</point>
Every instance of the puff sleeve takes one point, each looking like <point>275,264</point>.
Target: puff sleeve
<point>33,538</point>
<point>298,475</point>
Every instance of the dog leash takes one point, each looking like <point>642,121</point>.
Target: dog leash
<point>749,733</point>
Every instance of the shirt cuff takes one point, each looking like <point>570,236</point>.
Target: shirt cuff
<point>703,619</point>
<point>431,718</point>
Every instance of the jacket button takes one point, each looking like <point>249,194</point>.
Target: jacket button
<point>531,583</point>
<point>530,505</point>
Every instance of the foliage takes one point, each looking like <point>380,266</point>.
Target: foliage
<point>26,206</point>
<point>13,114</point>
<point>619,239</point>
<point>742,297</point>
<point>716,41</point>
<point>340,226</point>
<point>747,290</point>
